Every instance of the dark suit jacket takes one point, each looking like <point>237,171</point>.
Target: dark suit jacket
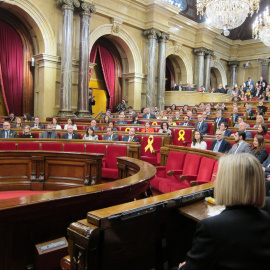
<point>222,120</point>
<point>44,135</point>
<point>224,147</point>
<point>238,238</point>
<point>152,116</point>
<point>134,139</point>
<point>12,134</point>
<point>235,118</point>
<point>41,126</point>
<point>203,128</point>
<point>177,88</point>
<point>74,136</point>
<point>227,133</point>
<point>114,137</point>
<point>261,155</point>
<point>187,125</point>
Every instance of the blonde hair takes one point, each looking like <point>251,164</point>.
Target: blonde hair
<point>240,181</point>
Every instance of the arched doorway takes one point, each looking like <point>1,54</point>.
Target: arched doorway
<point>215,78</point>
<point>26,97</point>
<point>107,74</point>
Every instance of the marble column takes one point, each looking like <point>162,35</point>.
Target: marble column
<point>161,70</point>
<point>233,72</point>
<point>200,52</point>
<point>85,14</point>
<point>207,69</point>
<point>66,56</point>
<point>152,35</point>
<point>265,69</point>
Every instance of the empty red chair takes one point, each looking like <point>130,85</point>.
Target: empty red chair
<point>150,151</point>
<point>96,148</point>
<point>28,146</point>
<point>173,168</point>
<point>190,171</point>
<point>7,146</point>
<point>47,146</point>
<point>109,164</point>
<point>182,136</point>
<point>74,147</point>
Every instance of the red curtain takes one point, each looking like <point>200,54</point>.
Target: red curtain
<point>108,68</point>
<point>11,71</point>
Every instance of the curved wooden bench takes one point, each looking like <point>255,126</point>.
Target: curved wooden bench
<point>31,220</point>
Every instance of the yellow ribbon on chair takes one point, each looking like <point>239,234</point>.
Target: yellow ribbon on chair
<point>154,124</point>
<point>149,145</point>
<point>127,129</point>
<point>181,134</point>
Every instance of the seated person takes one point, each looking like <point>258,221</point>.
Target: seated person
<point>240,187</point>
<point>263,131</point>
<point>27,132</point>
<point>241,119</point>
<point>131,136</point>
<point>90,135</point>
<point>186,122</point>
<point>224,128</point>
<point>49,134</point>
<point>110,135</point>
<point>122,106</point>
<point>198,142</point>
<point>36,124</point>
<point>70,121</point>
<point>258,150</point>
<point>18,123</point>
<point>111,125</point>
<point>70,134</point>
<point>147,127</point>
<point>7,132</point>
<point>201,125</point>
<point>55,123</point>
<point>135,120</point>
<point>121,120</point>
<point>93,125</point>
<point>164,128</point>
<point>148,114</point>
<point>220,145</point>
<point>170,121</point>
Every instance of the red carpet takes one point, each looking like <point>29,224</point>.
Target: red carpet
<point>18,193</point>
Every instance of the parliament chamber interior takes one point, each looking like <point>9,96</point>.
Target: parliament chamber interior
<point>114,116</point>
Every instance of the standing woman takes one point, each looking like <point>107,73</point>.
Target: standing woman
<point>198,142</point>
<point>164,128</point>
<point>258,150</point>
<point>90,135</point>
<point>238,237</point>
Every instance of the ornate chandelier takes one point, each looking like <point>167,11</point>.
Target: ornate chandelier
<point>227,14</point>
<point>261,27</point>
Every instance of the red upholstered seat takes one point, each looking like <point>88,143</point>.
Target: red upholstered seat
<point>80,127</point>
<point>175,163</point>
<point>150,144</point>
<point>267,147</point>
<point>182,135</point>
<point>7,146</point>
<point>96,148</point>
<point>74,147</point>
<point>190,169</point>
<point>51,146</point>
<point>209,130</point>
<point>209,143</point>
<point>28,146</point>
<point>109,168</point>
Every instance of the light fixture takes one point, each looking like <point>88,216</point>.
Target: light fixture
<point>227,14</point>
<point>261,27</point>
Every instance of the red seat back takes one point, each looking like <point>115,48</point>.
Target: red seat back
<point>51,146</point>
<point>74,147</point>
<point>192,163</point>
<point>95,148</point>
<point>150,143</point>
<point>114,151</point>
<point>181,135</point>
<point>175,160</point>
<point>206,169</point>
<point>28,146</point>
<point>7,146</point>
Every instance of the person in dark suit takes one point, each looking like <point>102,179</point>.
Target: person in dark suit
<point>241,146</point>
<point>6,132</point>
<point>220,89</point>
<point>235,115</point>
<point>121,120</point>
<point>189,87</point>
<point>131,136</point>
<point>93,125</point>
<point>36,124</point>
<point>186,122</point>
<point>70,134</point>
<point>219,118</point>
<point>220,145</point>
<point>148,114</point>
<point>224,127</point>
<point>258,150</point>
<point>178,87</point>
<point>49,134</point>
<point>239,237</point>
<point>262,81</point>
<point>110,135</point>
<point>201,125</point>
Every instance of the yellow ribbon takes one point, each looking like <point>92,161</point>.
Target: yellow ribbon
<point>149,145</point>
<point>127,129</point>
<point>181,134</point>
<point>154,124</point>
